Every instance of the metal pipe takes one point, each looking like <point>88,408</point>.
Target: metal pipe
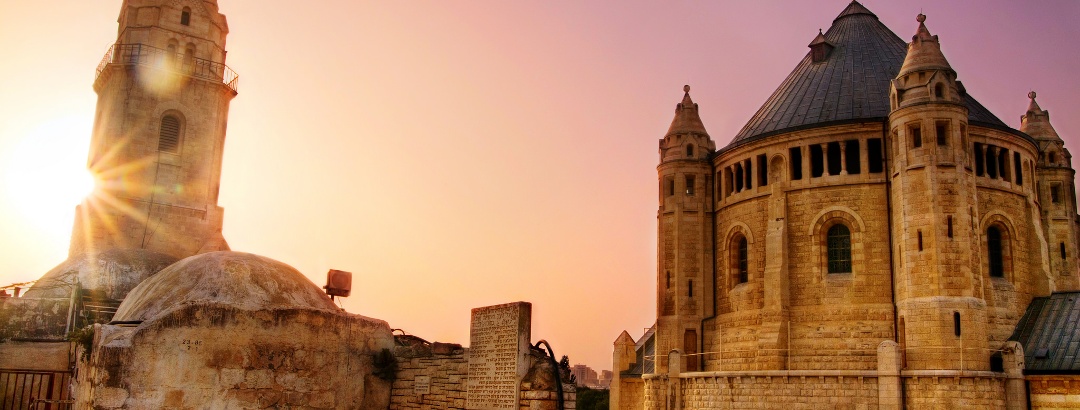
<point>558,380</point>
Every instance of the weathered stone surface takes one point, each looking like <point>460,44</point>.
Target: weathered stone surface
<point>500,338</point>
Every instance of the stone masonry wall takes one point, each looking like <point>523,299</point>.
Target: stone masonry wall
<point>755,391</point>
<point>445,369</point>
<point>1054,392</point>
<point>979,392</point>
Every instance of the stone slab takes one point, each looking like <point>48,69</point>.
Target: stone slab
<point>499,340</point>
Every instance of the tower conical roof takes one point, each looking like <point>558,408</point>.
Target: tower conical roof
<point>686,119</point>
<point>1036,122</point>
<point>851,84</point>
<point>924,51</point>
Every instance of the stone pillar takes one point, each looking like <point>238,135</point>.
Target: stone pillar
<point>1015,391</point>
<point>499,345</point>
<point>806,163</point>
<point>825,160</point>
<point>674,388</point>
<point>843,157</point>
<point>890,385</point>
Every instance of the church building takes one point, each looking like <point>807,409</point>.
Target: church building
<point>873,237</point>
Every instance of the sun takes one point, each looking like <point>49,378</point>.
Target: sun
<point>46,175</point>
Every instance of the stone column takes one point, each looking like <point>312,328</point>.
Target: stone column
<point>674,389</point>
<point>1015,392</point>
<point>825,160</point>
<point>843,157</point>
<point>890,388</point>
<point>806,163</point>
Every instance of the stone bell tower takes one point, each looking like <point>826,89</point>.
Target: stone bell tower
<point>940,308</point>
<point>684,228</point>
<point>1056,195</point>
<point>159,130</point>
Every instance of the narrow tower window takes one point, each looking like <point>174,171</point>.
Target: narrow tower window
<point>993,252</point>
<point>939,91</point>
<point>796,163</point>
<point>668,284</point>
<point>1055,193</point>
<point>942,131</point>
<point>839,249</point>
<point>916,136</point>
<point>689,151</point>
<point>1018,169</point>
<point>169,137</point>
<point>690,185</point>
<point>185,16</point>
<point>817,161</point>
<point>739,256</point>
<point>956,323</point>
<point>762,170</point>
<point>1063,251</point>
<point>978,159</point>
<point>834,158</point>
<point>920,240</point>
<point>949,223</point>
<point>875,159</point>
<point>690,288</point>
<point>852,157</point>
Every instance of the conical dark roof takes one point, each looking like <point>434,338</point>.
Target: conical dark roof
<point>851,84</point>
<point>686,118</point>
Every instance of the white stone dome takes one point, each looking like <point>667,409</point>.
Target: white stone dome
<point>114,272</point>
<point>235,279</point>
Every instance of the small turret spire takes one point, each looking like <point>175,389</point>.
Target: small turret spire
<point>924,51</point>
<point>1036,122</point>
<point>687,120</point>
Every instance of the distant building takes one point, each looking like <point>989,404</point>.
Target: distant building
<point>873,230</point>
<point>605,378</point>
<point>585,376</point>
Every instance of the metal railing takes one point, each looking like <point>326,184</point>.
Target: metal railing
<point>144,55</point>
<point>34,389</point>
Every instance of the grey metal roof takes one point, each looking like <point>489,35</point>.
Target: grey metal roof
<point>1050,335</point>
<point>851,84</point>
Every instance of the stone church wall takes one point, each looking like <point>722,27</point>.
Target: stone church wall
<point>954,392</point>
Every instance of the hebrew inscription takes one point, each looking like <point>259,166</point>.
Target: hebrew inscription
<point>499,342</point>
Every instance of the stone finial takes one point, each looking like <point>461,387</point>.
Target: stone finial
<point>1031,95</point>
<point>686,88</point>
<point>921,18</point>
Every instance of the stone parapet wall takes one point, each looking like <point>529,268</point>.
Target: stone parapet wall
<point>955,390</point>
<point>443,368</point>
<point>631,394</point>
<point>769,389</point>
<point>1054,392</point>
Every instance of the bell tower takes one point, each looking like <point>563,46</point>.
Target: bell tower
<point>684,228</point>
<point>159,130</point>
<point>939,301</point>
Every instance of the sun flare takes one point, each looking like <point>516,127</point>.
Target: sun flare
<point>46,177</point>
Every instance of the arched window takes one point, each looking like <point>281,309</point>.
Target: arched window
<point>189,57</point>
<point>185,16</point>
<point>169,137</point>
<point>939,90</point>
<point>838,242</point>
<point>689,151</point>
<point>740,254</point>
<point>993,252</point>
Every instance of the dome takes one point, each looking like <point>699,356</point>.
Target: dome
<point>115,272</point>
<point>240,280</point>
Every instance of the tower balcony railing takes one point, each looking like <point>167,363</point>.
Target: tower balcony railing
<point>144,55</point>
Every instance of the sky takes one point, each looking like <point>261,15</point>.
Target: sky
<point>461,154</point>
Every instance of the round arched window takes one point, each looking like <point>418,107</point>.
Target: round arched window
<point>838,241</point>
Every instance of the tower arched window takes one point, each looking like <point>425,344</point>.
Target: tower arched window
<point>838,244</point>
<point>185,16</point>
<point>939,90</point>
<point>169,135</point>
<point>740,260</point>
<point>689,151</point>
<point>994,252</point>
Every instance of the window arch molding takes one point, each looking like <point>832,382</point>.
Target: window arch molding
<point>737,232</point>
<point>1004,226</point>
<point>819,232</point>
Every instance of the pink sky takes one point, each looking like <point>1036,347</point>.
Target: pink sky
<point>462,154</point>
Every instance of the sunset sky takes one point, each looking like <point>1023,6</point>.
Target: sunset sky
<point>458,154</point>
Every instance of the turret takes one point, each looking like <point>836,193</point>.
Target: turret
<point>684,223</point>
<point>941,314</point>
<point>156,148</point>
<point>1056,194</point>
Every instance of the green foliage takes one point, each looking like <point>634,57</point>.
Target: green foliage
<point>589,399</point>
<point>83,338</point>
<point>386,365</point>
